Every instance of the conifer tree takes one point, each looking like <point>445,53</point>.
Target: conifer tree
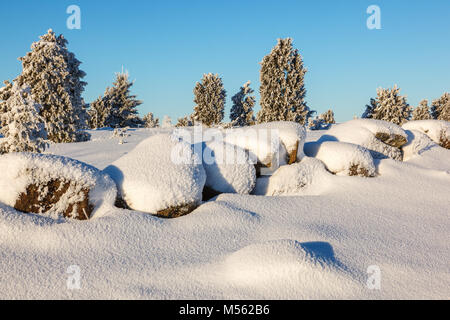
<point>186,121</point>
<point>167,122</point>
<point>21,125</point>
<point>53,74</point>
<point>282,85</point>
<point>421,112</point>
<point>440,108</point>
<point>150,121</point>
<point>210,100</point>
<point>391,106</point>
<point>117,107</point>
<point>370,108</point>
<point>328,117</point>
<point>242,109</point>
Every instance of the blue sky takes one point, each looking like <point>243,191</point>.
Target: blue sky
<point>167,46</point>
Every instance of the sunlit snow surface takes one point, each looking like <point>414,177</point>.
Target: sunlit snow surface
<point>315,244</point>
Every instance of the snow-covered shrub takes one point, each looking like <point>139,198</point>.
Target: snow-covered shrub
<point>53,74</point>
<point>210,100</point>
<point>440,108</point>
<point>166,122</point>
<point>282,85</point>
<point>186,121</point>
<point>242,109</point>
<point>150,121</point>
<point>437,130</point>
<point>54,186</point>
<point>317,124</point>
<point>293,179</point>
<point>421,112</point>
<point>228,169</point>
<point>328,117</point>
<point>21,125</point>
<point>342,158</point>
<point>388,106</point>
<point>381,138</point>
<point>160,176</point>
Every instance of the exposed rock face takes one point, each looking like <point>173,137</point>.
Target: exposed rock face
<point>46,196</point>
<point>54,186</point>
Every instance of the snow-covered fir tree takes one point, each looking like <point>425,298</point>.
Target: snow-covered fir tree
<point>242,109</point>
<point>368,113</point>
<point>150,121</point>
<point>390,106</point>
<point>328,117</point>
<point>166,122</point>
<point>421,112</point>
<point>440,108</point>
<point>282,85</point>
<point>55,79</point>
<point>22,127</point>
<point>209,97</point>
<point>117,107</point>
<point>186,121</point>
<point>5,93</point>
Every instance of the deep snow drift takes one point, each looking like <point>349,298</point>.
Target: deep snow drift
<point>315,243</point>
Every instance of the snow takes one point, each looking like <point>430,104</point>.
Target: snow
<point>363,132</point>
<point>317,244</point>
<point>159,173</point>
<point>20,170</point>
<point>432,128</point>
<point>339,157</point>
<point>418,142</point>
<point>228,168</point>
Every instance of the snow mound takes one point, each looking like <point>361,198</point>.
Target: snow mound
<point>342,158</point>
<point>381,138</point>
<point>228,169</point>
<point>437,130</point>
<point>418,142</point>
<point>25,175</point>
<point>160,173</point>
<point>280,263</point>
<point>293,179</point>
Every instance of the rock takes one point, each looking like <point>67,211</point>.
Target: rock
<point>436,130</point>
<point>383,139</point>
<point>342,158</point>
<point>161,176</point>
<point>54,186</point>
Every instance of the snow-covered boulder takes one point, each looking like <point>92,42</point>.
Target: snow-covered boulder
<point>418,142</point>
<point>54,186</point>
<point>436,130</point>
<point>381,138</point>
<point>161,176</point>
<point>293,179</point>
<point>228,169</point>
<point>342,158</point>
<point>266,141</point>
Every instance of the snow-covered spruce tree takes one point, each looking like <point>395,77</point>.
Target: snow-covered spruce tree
<point>391,106</point>
<point>242,109</point>
<point>150,121</point>
<point>5,93</point>
<point>209,97</point>
<point>186,121</point>
<point>117,107</point>
<point>328,117</point>
<point>421,112</point>
<point>368,113</point>
<point>98,114</point>
<point>53,74</point>
<point>21,125</point>
<point>282,85</point>
<point>440,108</point>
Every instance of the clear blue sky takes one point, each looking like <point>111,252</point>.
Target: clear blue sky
<point>167,45</point>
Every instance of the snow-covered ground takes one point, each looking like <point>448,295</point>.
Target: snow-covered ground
<point>318,243</point>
